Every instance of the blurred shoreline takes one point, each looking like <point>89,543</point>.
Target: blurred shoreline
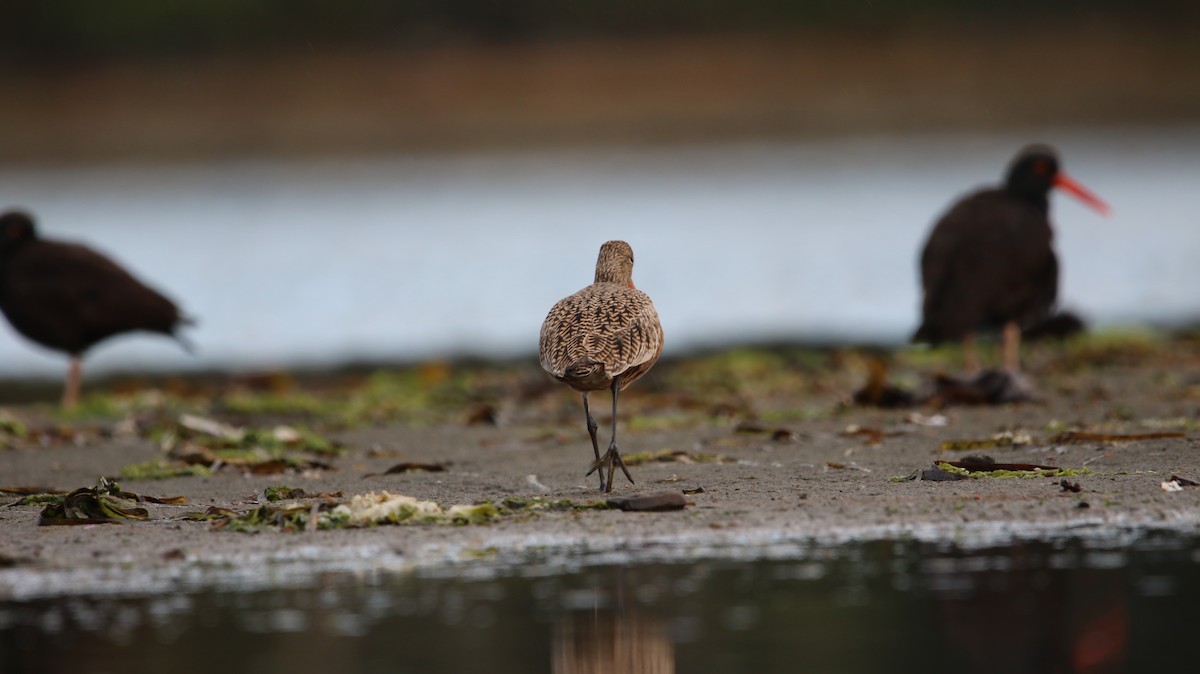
<point>467,96</point>
<point>817,238</point>
<point>349,373</point>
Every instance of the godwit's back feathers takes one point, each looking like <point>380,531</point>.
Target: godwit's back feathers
<point>604,330</point>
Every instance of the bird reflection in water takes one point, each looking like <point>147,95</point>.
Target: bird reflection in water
<point>1029,619</point>
<point>610,641</point>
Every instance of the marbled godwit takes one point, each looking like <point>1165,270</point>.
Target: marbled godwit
<point>605,336</point>
<point>989,261</point>
<point>68,297</point>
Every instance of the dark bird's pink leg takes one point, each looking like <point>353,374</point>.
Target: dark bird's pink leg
<point>71,391</point>
<point>970,354</point>
<point>1012,347</point>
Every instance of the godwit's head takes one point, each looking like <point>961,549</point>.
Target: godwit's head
<point>615,264</point>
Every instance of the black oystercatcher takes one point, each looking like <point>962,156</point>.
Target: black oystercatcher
<point>68,297</point>
<point>989,262</point>
<point>605,336</point>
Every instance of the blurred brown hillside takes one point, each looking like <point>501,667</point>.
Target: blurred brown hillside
<point>143,79</point>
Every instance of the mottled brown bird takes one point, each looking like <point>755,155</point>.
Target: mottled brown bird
<point>605,336</point>
<point>989,261</point>
<point>68,297</point>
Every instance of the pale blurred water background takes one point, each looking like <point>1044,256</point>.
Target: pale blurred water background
<point>318,263</point>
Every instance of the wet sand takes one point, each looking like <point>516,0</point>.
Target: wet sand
<point>781,493</point>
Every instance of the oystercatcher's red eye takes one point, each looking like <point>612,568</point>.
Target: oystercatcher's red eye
<point>1041,167</point>
<point>14,231</point>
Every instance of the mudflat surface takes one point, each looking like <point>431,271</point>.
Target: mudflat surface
<point>781,455</point>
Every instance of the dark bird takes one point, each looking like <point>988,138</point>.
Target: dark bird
<point>989,262</point>
<point>68,297</point>
<point>605,336</point>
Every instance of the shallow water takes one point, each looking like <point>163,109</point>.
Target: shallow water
<point>1044,606</point>
<point>321,263</point>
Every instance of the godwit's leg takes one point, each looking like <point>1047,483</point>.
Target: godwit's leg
<point>71,391</point>
<point>612,458</point>
<point>1012,347</point>
<point>592,427</point>
<point>970,355</point>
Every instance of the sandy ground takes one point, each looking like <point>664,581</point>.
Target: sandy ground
<point>816,484</point>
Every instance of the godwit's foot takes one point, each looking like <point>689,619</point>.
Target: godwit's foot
<point>611,460</point>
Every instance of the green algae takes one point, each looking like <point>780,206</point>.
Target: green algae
<point>12,430</point>
<point>161,469</point>
<point>1008,474</point>
<point>672,456</point>
<point>282,493</point>
<point>46,498</point>
<point>664,421</point>
<point>382,509</point>
<point>105,502</point>
<point>538,503</point>
<point>280,404</point>
<point>1005,439</point>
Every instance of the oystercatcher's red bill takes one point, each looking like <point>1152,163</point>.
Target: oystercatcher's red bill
<point>1084,194</point>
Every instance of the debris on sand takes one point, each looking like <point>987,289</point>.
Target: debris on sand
<point>976,467</point>
<point>870,436</point>
<point>484,414</point>
<point>777,434</point>
<point>933,420</point>
<point>285,493</point>
<point>384,508</point>
<point>932,474</point>
<point>106,503</point>
<point>655,502</point>
<point>11,430</point>
<point>411,467</point>
<point>1017,439</point>
<point>378,509</point>
<point>674,456</point>
<point>211,427</point>
<point>1004,439</point>
<point>532,481</point>
<point>363,510</point>
<point>200,446</point>
<point>192,430</point>
<point>1077,437</point>
<point>979,467</point>
<point>1177,483</point>
<point>1069,487</point>
<point>161,469</point>
<point>989,387</point>
<point>878,393</point>
<point>26,491</point>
